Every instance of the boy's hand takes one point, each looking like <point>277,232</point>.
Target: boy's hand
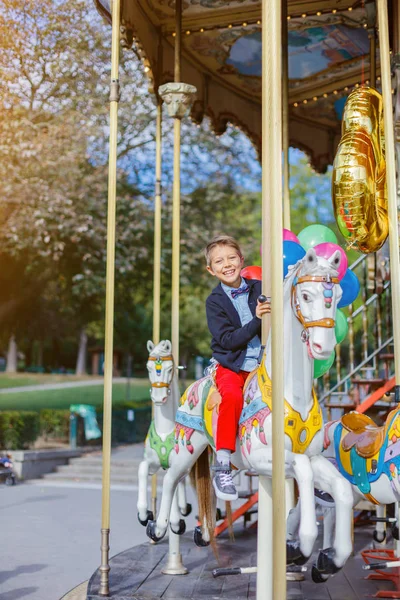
<point>263,306</point>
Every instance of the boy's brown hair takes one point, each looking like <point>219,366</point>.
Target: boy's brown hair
<point>221,240</point>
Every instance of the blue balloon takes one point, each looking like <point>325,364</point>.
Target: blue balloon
<point>351,287</point>
<point>292,252</point>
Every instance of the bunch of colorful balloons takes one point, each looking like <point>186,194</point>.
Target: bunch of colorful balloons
<point>325,243</point>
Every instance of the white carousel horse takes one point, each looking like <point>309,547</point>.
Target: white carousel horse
<point>160,440</point>
<point>311,294</point>
<point>368,456</point>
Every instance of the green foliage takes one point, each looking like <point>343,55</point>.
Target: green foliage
<point>54,424</point>
<point>18,429</point>
<point>53,165</point>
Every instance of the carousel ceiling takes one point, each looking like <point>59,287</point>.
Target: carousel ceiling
<point>328,47</point>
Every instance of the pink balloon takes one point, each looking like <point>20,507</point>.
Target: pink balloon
<point>288,236</point>
<point>326,249</point>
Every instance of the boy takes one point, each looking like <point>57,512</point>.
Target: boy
<point>234,320</point>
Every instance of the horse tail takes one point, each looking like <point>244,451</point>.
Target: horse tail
<point>205,497</point>
<point>228,508</point>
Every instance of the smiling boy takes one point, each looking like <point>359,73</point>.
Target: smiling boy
<point>234,320</point>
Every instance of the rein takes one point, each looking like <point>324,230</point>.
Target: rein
<point>326,322</point>
<point>160,384</point>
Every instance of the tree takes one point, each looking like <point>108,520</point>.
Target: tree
<point>53,164</point>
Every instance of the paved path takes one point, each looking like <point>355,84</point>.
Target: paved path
<point>60,386</point>
<point>50,534</point>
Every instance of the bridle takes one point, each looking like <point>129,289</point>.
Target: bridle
<point>328,282</point>
<point>157,359</point>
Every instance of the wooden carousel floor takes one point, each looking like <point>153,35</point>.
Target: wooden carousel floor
<point>136,574</point>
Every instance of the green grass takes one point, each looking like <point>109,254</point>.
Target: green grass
<point>23,379</point>
<point>139,392</point>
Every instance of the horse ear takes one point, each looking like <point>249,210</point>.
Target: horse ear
<point>310,258</point>
<point>335,259</point>
<point>150,346</point>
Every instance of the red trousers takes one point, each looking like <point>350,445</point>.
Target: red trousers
<point>230,386</point>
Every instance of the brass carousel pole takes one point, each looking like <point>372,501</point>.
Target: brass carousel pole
<point>157,228</point>
<point>178,97</point>
<point>176,194</point>
<point>157,263</point>
<point>392,191</point>
<point>109,327</point>
<point>157,247</point>
<point>371,22</point>
<point>391,183</point>
<point>285,117</point>
<point>290,489</point>
<point>271,549</point>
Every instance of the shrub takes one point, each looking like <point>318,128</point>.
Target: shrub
<point>18,429</point>
<point>54,424</point>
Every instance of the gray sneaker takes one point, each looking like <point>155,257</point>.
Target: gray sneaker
<point>223,483</point>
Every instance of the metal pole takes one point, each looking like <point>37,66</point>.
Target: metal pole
<point>109,326</point>
<point>175,565</point>
<point>271,578</point>
<point>157,264</point>
<point>157,228</point>
<point>372,58</point>
<point>176,194</point>
<point>391,187</point>
<point>285,117</point>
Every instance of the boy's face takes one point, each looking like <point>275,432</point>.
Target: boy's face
<point>226,264</point>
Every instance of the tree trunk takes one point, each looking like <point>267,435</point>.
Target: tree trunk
<point>40,354</point>
<point>81,360</point>
<point>12,359</point>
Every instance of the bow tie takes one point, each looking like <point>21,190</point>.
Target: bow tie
<point>241,290</point>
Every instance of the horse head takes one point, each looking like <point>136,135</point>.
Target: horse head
<point>314,290</point>
<point>160,366</point>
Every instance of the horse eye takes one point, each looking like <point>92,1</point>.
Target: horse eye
<point>306,297</point>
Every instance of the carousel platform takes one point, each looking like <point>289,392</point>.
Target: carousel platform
<point>136,573</point>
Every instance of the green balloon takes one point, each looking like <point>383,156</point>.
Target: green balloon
<point>341,326</point>
<point>316,234</point>
<point>322,366</point>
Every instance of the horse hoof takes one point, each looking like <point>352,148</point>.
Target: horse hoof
<point>198,537</point>
<point>187,510</point>
<point>293,553</point>
<point>148,518</point>
<point>316,576</point>
<point>301,560</point>
<point>379,536</point>
<point>395,532</point>
<point>181,528</point>
<point>325,563</point>
<point>151,531</point>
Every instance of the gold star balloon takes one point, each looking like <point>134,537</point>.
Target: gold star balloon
<point>359,191</point>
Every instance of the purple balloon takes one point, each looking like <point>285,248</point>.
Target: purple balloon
<point>292,253</point>
<point>350,287</point>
